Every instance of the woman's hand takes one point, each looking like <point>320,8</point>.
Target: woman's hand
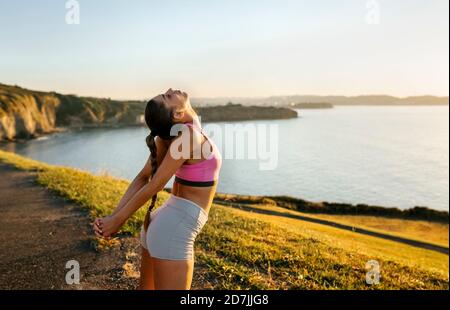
<point>97,229</point>
<point>107,226</point>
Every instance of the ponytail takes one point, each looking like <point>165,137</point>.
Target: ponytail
<point>152,147</point>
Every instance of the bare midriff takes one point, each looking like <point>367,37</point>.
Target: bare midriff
<point>203,196</point>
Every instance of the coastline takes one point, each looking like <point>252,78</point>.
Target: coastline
<point>216,117</point>
<point>26,114</point>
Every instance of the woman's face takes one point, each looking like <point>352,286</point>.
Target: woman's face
<point>175,99</point>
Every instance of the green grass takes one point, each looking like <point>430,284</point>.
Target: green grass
<point>431,232</point>
<point>245,250</point>
<point>426,231</point>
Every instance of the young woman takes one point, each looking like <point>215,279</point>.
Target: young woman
<point>169,232</point>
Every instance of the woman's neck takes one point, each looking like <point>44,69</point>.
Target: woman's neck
<point>191,117</point>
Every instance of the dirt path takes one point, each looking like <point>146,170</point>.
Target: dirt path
<point>40,232</point>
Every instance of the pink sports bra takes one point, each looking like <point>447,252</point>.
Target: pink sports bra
<point>204,173</point>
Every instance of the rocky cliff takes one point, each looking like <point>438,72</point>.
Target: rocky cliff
<point>25,113</point>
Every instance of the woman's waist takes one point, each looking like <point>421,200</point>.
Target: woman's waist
<point>186,205</point>
<point>202,197</point>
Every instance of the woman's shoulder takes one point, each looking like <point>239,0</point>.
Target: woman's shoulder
<point>188,135</point>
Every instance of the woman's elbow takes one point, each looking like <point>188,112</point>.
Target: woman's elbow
<point>159,187</point>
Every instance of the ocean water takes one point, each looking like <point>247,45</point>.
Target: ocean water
<point>386,156</point>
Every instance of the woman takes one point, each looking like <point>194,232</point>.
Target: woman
<point>167,242</point>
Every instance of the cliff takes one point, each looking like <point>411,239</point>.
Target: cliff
<point>25,113</point>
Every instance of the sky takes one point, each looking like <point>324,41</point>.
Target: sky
<point>230,48</point>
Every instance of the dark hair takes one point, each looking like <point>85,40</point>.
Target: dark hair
<point>159,119</point>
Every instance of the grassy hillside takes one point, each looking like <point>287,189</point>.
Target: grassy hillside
<point>431,232</point>
<point>238,249</point>
<point>297,204</point>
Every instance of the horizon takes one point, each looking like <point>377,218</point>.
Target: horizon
<point>231,97</point>
<point>256,49</point>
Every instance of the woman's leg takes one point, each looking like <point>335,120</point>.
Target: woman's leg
<point>146,280</point>
<point>172,274</point>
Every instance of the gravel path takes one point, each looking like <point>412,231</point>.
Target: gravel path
<point>40,232</point>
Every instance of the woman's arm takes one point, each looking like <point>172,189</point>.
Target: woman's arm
<point>139,181</point>
<point>143,176</point>
<point>166,170</point>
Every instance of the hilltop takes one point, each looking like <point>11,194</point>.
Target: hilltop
<point>239,112</point>
<point>311,105</point>
<point>27,113</point>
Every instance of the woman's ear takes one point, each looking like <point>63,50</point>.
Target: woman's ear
<point>178,115</point>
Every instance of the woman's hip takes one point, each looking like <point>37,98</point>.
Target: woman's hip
<point>173,229</point>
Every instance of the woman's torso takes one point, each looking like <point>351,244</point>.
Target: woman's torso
<point>203,196</point>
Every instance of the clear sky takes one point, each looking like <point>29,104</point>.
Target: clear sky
<point>133,49</point>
